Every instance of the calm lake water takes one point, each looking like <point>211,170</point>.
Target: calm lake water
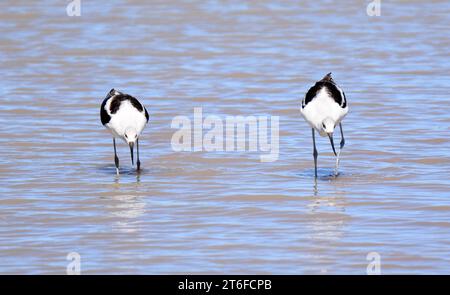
<point>224,212</point>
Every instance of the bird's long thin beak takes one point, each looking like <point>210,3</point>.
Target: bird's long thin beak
<point>330,136</point>
<point>131,151</point>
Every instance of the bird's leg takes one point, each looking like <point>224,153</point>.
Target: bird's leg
<point>116,159</point>
<point>138,162</point>
<point>340,148</point>
<point>342,136</point>
<point>315,154</point>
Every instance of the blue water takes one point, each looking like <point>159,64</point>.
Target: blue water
<point>224,212</point>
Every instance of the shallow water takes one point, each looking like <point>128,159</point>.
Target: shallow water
<point>224,212</point>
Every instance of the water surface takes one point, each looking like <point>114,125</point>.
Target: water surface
<point>224,212</point>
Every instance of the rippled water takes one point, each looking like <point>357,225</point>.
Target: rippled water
<point>224,212</point>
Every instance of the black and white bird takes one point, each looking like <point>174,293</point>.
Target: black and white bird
<point>125,117</point>
<point>324,107</point>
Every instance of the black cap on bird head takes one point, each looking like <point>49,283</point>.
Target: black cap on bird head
<point>327,78</point>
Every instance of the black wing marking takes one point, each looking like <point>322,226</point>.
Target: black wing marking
<point>146,114</point>
<point>344,101</point>
<point>119,98</point>
<point>135,103</point>
<point>116,101</point>
<point>331,88</point>
<point>334,92</point>
<point>312,92</point>
<point>115,104</point>
<point>104,116</point>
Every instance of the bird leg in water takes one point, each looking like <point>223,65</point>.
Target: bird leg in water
<point>315,154</point>
<point>137,150</point>
<point>340,148</point>
<point>116,159</point>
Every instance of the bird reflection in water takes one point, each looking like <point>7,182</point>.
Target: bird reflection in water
<point>126,210</point>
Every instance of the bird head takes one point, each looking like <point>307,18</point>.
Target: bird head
<point>328,127</point>
<point>130,136</point>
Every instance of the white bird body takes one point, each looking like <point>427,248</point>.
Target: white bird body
<point>125,117</point>
<point>323,108</point>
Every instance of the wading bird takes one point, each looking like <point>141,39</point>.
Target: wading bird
<point>324,107</point>
<point>125,117</point>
